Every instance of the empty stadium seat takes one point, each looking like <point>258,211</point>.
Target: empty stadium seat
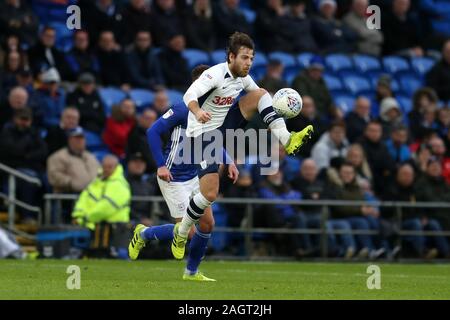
<point>142,98</point>
<point>421,65</point>
<point>333,83</point>
<point>175,96</point>
<point>260,59</point>
<point>338,62</point>
<point>111,96</point>
<point>373,77</point>
<point>286,59</point>
<point>395,64</point>
<point>409,83</point>
<point>357,84</point>
<point>405,103</point>
<point>344,102</point>
<point>364,63</point>
<point>303,59</point>
<point>93,140</point>
<point>218,56</point>
<point>250,15</point>
<point>64,36</point>
<point>196,57</point>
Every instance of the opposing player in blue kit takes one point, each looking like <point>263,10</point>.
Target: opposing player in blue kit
<point>178,183</point>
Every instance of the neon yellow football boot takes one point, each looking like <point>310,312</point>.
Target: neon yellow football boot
<point>298,139</point>
<point>136,243</point>
<point>178,243</point>
<point>197,277</point>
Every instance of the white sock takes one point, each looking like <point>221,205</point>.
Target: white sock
<point>194,212</point>
<point>272,119</point>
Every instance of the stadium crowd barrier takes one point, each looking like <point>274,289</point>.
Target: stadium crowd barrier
<point>249,231</point>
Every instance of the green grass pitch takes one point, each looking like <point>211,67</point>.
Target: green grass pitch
<point>111,279</point>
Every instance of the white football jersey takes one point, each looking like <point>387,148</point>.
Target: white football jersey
<point>216,91</point>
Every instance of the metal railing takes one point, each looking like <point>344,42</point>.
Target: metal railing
<point>11,199</point>
<point>249,203</point>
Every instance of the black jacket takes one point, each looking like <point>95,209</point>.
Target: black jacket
<point>144,68</point>
<point>113,69</point>
<point>22,149</point>
<point>137,142</point>
<point>227,22</point>
<point>398,34</point>
<point>39,61</point>
<point>299,123</point>
<point>175,69</point>
<point>439,79</point>
<point>200,32</point>
<point>355,126</point>
<point>92,113</point>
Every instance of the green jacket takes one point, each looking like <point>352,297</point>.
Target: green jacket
<point>104,200</point>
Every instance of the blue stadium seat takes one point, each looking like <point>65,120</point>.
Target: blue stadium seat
<point>196,57</point>
<point>101,153</point>
<point>259,60</point>
<point>364,63</point>
<point>409,83</point>
<point>304,59</point>
<point>219,56</point>
<point>421,65</point>
<point>257,73</point>
<point>64,36</point>
<point>142,98</point>
<point>345,102</point>
<point>175,96</point>
<point>338,62</point>
<point>111,96</point>
<point>333,83</point>
<point>93,140</point>
<point>289,77</point>
<point>249,14</point>
<point>357,84</point>
<point>405,103</point>
<point>394,64</point>
<point>287,59</point>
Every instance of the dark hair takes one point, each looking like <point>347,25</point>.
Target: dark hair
<point>47,27</point>
<point>238,40</point>
<point>425,91</point>
<point>198,70</point>
<point>376,122</point>
<point>338,123</point>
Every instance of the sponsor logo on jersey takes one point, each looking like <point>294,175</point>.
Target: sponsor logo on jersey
<point>167,114</point>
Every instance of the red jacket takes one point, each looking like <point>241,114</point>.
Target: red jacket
<point>116,134</point>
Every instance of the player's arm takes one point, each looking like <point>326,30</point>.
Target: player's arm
<point>206,82</point>
<point>154,136</point>
<point>250,84</point>
<point>233,172</point>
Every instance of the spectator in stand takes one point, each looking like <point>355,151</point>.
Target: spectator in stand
<point>331,34</point>
<point>72,168</point>
<point>332,144</point>
<point>438,77</point>
<point>118,127</point>
<point>160,102</point>
<point>51,98</point>
<point>143,63</point>
<point>390,115</point>
<point>135,17</point>
<point>443,121</point>
<point>434,17</point>
<point>80,59</point>
<point>22,148</point>
<point>311,83</point>
<point>357,119</point>
<point>369,41</point>
<point>229,19</point>
<point>141,184</point>
<point>273,79</point>
<point>174,66</point>
<point>106,199</point>
<point>113,68</point>
<point>101,15</point>
<point>308,116</point>
<point>383,90</point>
<point>289,164</point>
<point>397,144</point>
<point>166,21</point>
<point>44,55</point>
<point>355,215</point>
<point>300,26</point>
<point>24,79</point>
<point>400,30</point>
<point>56,137</point>
<point>405,189</point>
<point>380,161</point>
<point>87,100</point>
<point>16,17</point>
<point>17,99</point>
<point>439,151</point>
<point>284,216</point>
<point>421,118</point>
<point>13,64</point>
<point>271,27</point>
<point>137,139</point>
<point>200,27</point>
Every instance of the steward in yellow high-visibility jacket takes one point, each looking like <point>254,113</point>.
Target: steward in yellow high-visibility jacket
<point>106,199</point>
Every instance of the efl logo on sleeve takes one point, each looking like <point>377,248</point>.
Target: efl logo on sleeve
<point>168,114</point>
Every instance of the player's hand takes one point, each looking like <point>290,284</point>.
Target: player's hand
<point>233,172</point>
<point>164,174</point>
<point>202,116</point>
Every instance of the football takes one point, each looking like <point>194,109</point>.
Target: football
<point>287,103</point>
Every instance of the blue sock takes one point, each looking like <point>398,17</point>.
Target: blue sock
<point>197,249</point>
<point>164,232</point>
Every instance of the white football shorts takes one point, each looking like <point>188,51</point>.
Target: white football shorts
<point>178,195</point>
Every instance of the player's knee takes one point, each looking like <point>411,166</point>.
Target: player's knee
<point>260,92</point>
<point>210,195</point>
<point>207,226</point>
